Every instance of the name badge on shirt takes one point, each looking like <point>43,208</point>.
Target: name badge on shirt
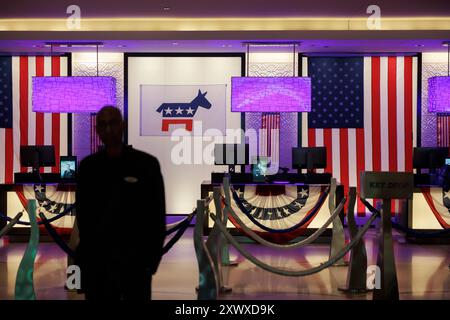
<point>130,179</point>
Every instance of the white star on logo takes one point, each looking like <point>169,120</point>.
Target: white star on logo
<point>303,193</point>
<point>38,188</point>
<point>168,111</point>
<point>53,208</point>
<point>179,110</point>
<point>190,110</point>
<point>447,194</point>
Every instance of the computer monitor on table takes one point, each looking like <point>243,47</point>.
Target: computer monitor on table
<point>430,157</point>
<point>231,155</point>
<point>68,167</point>
<point>37,157</point>
<point>259,168</point>
<point>309,158</point>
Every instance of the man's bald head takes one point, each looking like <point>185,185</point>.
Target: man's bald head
<point>109,111</point>
<point>110,126</point>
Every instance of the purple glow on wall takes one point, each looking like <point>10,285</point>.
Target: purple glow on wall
<point>73,94</point>
<point>270,94</point>
<point>439,94</point>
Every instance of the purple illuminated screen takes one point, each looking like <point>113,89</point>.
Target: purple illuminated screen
<point>270,94</point>
<point>439,94</point>
<point>73,94</point>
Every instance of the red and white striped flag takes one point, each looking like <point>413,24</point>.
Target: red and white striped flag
<point>443,130</point>
<point>269,139</point>
<point>28,127</point>
<point>385,140</point>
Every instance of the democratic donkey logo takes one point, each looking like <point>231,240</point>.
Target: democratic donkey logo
<point>182,113</point>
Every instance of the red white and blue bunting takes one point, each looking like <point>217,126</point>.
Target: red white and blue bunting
<point>277,213</point>
<point>51,199</point>
<point>438,200</point>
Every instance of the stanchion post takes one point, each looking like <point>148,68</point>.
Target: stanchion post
<point>386,258</point>
<point>225,245</point>
<point>356,273</point>
<point>24,289</point>
<point>338,235</point>
<point>386,186</point>
<point>207,283</point>
<point>216,242</point>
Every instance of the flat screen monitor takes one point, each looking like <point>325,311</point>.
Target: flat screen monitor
<point>430,157</point>
<point>37,156</point>
<point>68,165</point>
<point>309,158</point>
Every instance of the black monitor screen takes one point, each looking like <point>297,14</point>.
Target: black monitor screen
<point>231,154</point>
<point>430,157</point>
<point>37,156</point>
<point>68,165</point>
<point>309,158</point>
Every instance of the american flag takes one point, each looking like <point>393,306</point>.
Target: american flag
<point>19,125</point>
<point>443,130</point>
<point>269,142</point>
<point>369,104</point>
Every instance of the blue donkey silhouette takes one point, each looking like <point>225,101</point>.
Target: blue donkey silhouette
<point>171,111</point>
<point>184,110</point>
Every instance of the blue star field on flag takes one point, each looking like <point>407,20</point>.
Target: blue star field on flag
<point>5,92</point>
<point>337,92</point>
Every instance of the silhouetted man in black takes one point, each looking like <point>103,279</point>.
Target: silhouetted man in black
<point>120,215</point>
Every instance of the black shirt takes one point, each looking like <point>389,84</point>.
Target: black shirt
<point>120,210</point>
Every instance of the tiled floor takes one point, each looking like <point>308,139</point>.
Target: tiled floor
<point>422,271</point>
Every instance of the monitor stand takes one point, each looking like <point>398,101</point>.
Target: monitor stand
<point>35,172</point>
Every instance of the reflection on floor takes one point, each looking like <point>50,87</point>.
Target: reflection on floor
<point>422,272</point>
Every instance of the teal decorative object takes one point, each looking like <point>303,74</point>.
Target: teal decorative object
<point>208,284</point>
<point>24,279</point>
